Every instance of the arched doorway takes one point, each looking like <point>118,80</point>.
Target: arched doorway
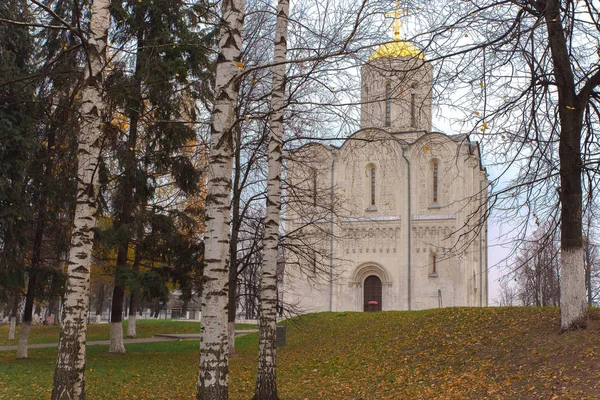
<point>372,294</point>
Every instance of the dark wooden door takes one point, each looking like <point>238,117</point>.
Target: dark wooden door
<point>372,296</point>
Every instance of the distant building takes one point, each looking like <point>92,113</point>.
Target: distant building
<point>409,224</point>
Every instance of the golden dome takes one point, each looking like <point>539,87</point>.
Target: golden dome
<point>398,48</point>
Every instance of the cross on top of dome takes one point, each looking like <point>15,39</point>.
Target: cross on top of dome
<point>397,21</point>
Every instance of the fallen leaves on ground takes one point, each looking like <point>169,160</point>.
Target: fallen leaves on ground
<point>454,353</point>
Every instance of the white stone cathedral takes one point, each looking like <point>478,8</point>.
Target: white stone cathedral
<point>394,218</point>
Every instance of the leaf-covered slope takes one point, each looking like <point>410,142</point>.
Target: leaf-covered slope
<point>507,353</point>
<point>456,353</point>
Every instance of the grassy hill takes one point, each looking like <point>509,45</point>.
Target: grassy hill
<point>456,353</point>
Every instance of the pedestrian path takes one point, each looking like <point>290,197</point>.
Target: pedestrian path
<point>171,337</point>
<point>91,343</point>
<point>187,336</point>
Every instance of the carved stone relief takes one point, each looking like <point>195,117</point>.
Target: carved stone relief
<point>428,238</point>
<point>371,239</point>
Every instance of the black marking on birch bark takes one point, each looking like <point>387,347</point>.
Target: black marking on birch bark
<point>66,378</point>
<point>81,269</point>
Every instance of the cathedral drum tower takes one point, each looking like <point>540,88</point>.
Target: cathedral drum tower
<point>394,218</point>
<point>396,88</point>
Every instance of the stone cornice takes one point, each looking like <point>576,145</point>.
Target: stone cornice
<point>372,219</point>
<point>433,217</point>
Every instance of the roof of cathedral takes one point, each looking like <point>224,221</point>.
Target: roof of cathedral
<point>397,48</point>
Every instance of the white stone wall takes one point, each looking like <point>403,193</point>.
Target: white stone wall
<point>374,239</point>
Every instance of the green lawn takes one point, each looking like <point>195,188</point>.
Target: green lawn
<point>456,353</point>
<point>145,328</point>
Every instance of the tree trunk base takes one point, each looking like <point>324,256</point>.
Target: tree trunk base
<point>231,334</point>
<point>131,327</point>
<point>69,375</point>
<point>23,340</point>
<point>265,396</point>
<point>13,328</point>
<point>573,309</point>
<point>116,338</point>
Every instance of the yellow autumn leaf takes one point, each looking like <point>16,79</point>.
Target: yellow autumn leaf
<point>240,65</point>
<point>476,113</point>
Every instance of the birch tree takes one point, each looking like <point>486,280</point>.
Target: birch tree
<point>69,379</point>
<point>250,157</point>
<point>213,377</point>
<point>266,379</point>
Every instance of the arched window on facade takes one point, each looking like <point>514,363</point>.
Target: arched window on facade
<point>433,270</point>
<point>413,106</point>
<point>372,186</point>
<point>435,167</point>
<point>388,105</point>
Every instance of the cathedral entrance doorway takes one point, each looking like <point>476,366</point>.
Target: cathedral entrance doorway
<point>372,294</point>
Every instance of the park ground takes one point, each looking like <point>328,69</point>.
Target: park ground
<point>453,353</point>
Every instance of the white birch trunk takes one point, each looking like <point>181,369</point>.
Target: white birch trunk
<point>266,381</point>
<point>213,376</point>
<point>131,331</point>
<point>69,379</point>
<point>573,308</point>
<point>14,315</point>
<point>23,339</point>
<point>231,340</point>
<point>116,338</point>
<point>13,327</point>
